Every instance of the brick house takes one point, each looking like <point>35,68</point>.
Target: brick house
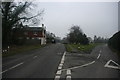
<point>32,35</point>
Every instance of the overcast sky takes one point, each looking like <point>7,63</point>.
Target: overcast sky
<point>94,18</point>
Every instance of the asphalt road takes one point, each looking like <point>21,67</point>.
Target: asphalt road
<point>100,63</point>
<point>40,63</point>
<point>54,62</point>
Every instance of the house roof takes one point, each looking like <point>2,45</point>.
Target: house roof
<point>34,28</point>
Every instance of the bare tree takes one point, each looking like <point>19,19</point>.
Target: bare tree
<point>13,14</point>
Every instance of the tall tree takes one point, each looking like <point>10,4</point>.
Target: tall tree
<point>13,14</point>
<point>77,36</point>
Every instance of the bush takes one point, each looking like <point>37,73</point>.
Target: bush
<point>114,41</point>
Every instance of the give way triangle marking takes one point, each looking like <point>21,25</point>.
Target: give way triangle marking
<point>112,64</point>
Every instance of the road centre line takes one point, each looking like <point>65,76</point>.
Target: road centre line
<point>62,59</point>
<point>98,56</point>
<point>63,56</point>
<point>35,57</point>
<point>12,67</point>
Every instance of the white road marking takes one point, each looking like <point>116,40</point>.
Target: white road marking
<point>106,44</point>
<point>68,72</point>
<point>59,72</point>
<point>64,53</point>
<point>107,63</point>
<point>63,57</point>
<point>34,57</point>
<point>98,56</point>
<point>68,78</point>
<point>59,67</point>
<point>4,71</point>
<point>60,64</point>
<point>62,61</point>
<point>57,77</point>
<point>100,51</point>
<point>80,54</point>
<point>16,65</point>
<point>59,53</point>
<point>115,63</point>
<point>110,66</point>
<point>12,67</point>
<point>80,66</point>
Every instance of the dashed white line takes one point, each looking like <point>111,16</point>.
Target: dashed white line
<point>59,72</point>
<point>12,67</point>
<point>34,57</point>
<point>98,56</point>
<point>60,64</point>
<point>57,77</point>
<point>68,78</point>
<point>59,67</point>
<point>63,56</point>
<point>62,61</point>
<point>68,72</point>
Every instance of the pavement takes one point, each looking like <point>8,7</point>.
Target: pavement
<point>54,62</point>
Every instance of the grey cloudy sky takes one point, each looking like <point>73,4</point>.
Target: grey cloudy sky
<point>94,18</point>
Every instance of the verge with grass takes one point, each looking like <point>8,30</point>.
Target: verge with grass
<point>20,49</point>
<point>79,47</point>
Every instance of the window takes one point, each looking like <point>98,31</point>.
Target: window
<point>35,33</point>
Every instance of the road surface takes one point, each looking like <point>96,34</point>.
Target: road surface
<point>100,63</point>
<point>40,63</point>
<point>54,62</point>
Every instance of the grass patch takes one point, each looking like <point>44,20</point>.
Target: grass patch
<point>20,49</point>
<point>79,47</point>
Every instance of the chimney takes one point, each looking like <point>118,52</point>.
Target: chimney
<point>42,25</point>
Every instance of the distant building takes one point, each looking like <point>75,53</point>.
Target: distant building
<point>32,34</point>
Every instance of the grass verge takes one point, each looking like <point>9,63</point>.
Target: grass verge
<point>79,47</point>
<point>20,49</point>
